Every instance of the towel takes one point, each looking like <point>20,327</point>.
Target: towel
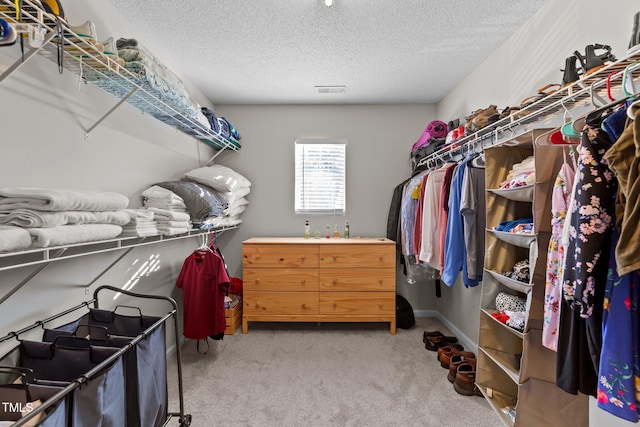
<point>30,218</point>
<point>172,231</point>
<point>167,215</point>
<point>161,198</point>
<point>49,199</point>
<point>13,238</point>
<point>68,234</point>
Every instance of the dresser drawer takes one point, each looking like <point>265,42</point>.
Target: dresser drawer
<point>282,303</point>
<point>357,255</point>
<point>358,279</point>
<point>370,303</point>
<point>282,256</point>
<point>267,279</point>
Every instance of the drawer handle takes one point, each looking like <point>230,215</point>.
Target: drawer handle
<point>380,305</point>
<point>256,257</point>
<point>381,257</point>
<point>303,258</point>
<point>335,258</point>
<point>380,281</point>
<point>334,281</point>
<point>304,306</point>
<point>257,281</point>
<point>281,259</point>
<point>335,305</point>
<point>303,282</point>
<point>257,305</point>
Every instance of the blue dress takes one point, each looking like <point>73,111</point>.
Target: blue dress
<point>619,376</point>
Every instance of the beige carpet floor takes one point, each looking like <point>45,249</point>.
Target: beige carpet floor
<point>297,374</point>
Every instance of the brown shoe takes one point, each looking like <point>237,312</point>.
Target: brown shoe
<point>455,361</point>
<point>448,349</point>
<point>445,358</point>
<point>465,382</point>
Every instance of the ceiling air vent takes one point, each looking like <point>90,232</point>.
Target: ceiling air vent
<point>330,89</point>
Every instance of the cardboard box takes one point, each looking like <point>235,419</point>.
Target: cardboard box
<point>233,316</point>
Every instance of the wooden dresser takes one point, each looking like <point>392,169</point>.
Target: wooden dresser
<point>319,280</point>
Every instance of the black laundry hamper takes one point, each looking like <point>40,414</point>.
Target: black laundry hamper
<point>98,402</point>
<point>18,387</point>
<point>144,364</point>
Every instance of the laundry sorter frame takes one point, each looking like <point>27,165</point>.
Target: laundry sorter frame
<point>184,419</point>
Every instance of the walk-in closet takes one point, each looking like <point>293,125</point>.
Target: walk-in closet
<point>319,213</point>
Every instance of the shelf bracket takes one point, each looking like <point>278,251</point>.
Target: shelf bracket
<point>27,279</point>
<point>208,163</point>
<point>108,113</point>
<point>109,267</point>
<point>27,56</point>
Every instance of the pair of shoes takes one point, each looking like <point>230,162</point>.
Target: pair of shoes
<point>448,350</point>
<point>455,361</point>
<point>486,117</point>
<point>432,334</point>
<point>591,61</point>
<point>434,343</point>
<point>542,93</point>
<point>465,380</point>
<point>480,118</point>
<point>446,355</point>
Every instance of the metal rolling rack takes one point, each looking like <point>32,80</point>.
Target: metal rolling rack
<point>86,61</point>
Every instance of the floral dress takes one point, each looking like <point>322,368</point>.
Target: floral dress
<point>555,257</point>
<point>584,276</point>
<point>619,376</point>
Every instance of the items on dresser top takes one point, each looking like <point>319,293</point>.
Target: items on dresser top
<point>319,280</point>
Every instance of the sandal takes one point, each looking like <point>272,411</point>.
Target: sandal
<point>591,62</point>
<point>543,92</point>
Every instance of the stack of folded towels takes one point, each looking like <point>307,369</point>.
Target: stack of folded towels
<point>141,224</point>
<point>170,223</point>
<point>43,217</point>
<point>161,198</point>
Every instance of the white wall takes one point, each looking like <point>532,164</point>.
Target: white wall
<point>379,140</point>
<point>43,116</point>
<point>528,60</point>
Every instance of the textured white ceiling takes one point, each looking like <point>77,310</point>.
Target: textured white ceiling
<point>276,51</point>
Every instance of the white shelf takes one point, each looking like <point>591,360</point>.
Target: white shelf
<point>11,260</point>
<point>521,240</point>
<point>510,283</point>
<point>519,194</point>
<point>87,62</point>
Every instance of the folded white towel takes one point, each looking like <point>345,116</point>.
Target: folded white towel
<point>163,214</point>
<point>180,224</point>
<point>30,218</point>
<point>140,214</point>
<point>13,238</point>
<point>160,193</point>
<point>50,199</point>
<point>68,234</point>
<point>172,231</point>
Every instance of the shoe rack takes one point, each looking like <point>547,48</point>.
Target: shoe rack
<point>588,90</point>
<point>87,61</point>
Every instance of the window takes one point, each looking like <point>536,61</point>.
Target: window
<point>320,176</point>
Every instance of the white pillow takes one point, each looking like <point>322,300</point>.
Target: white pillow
<point>218,177</point>
<point>236,194</point>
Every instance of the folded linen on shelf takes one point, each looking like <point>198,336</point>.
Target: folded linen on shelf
<point>141,224</point>
<point>172,231</point>
<point>30,218</point>
<point>161,198</point>
<point>168,215</point>
<point>202,202</point>
<point>68,234</point>
<point>50,199</point>
<point>13,238</point>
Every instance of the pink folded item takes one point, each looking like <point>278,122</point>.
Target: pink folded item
<point>434,129</point>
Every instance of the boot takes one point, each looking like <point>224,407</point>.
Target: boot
<point>634,44</point>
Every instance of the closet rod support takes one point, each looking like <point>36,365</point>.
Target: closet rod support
<point>27,56</point>
<point>108,113</point>
<point>27,279</point>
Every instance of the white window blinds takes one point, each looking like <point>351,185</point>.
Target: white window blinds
<point>320,176</point>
